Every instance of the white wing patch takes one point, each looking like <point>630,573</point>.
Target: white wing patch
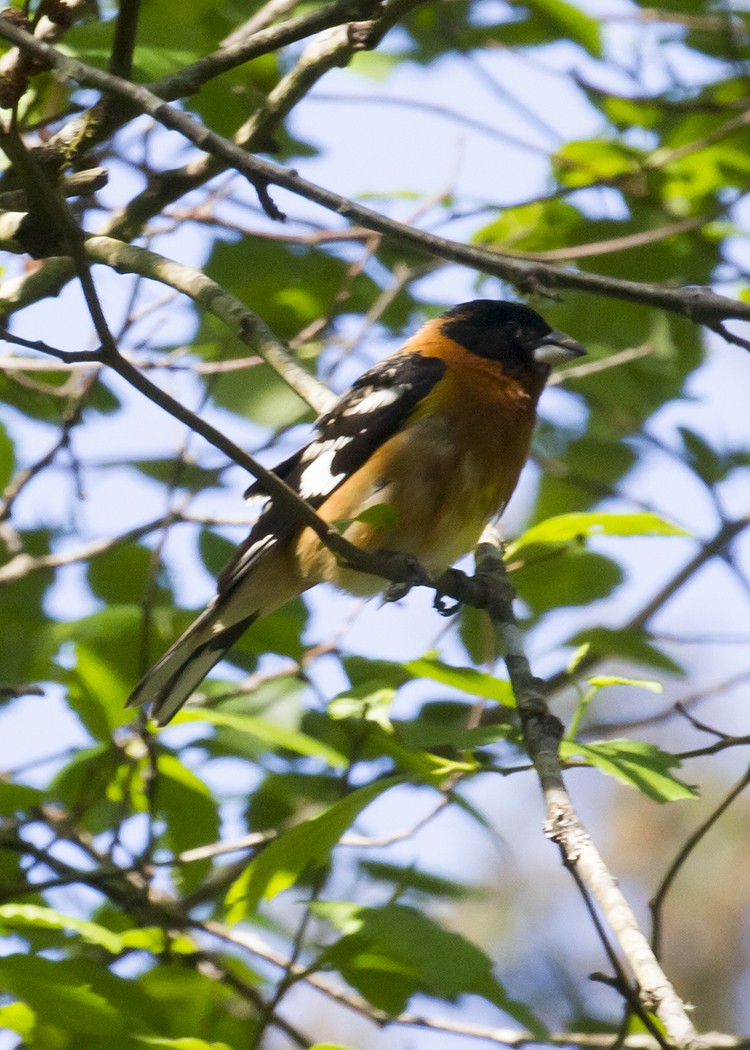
<point>373,401</point>
<point>262,544</point>
<point>317,479</point>
<point>321,448</point>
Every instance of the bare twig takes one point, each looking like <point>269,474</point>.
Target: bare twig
<point>78,184</point>
<point>123,45</point>
<point>657,902</point>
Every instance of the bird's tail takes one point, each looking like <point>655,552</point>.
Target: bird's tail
<point>186,663</point>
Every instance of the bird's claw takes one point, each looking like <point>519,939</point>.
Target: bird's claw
<point>394,592</point>
<point>440,605</point>
<point>416,577</point>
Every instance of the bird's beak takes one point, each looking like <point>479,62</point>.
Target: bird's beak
<point>556,348</point>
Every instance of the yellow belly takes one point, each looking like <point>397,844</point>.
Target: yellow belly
<point>442,493</point>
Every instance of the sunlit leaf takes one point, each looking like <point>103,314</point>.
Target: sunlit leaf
<point>635,763</point>
<point>20,1018</point>
<point>305,846</point>
<point>601,680</point>
<point>269,733</point>
<point>467,679</point>
<point>18,916</point>
<point>566,528</point>
<point>186,1043</point>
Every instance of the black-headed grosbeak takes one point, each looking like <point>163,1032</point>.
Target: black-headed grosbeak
<point>438,432</point>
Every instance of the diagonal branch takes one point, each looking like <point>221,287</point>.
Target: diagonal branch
<point>246,325</point>
<point>542,732</point>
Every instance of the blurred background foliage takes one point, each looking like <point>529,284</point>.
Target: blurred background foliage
<point>383,863</point>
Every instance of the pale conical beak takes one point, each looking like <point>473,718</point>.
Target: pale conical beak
<point>556,348</point>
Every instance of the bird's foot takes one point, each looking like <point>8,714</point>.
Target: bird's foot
<point>451,581</point>
<point>416,576</point>
<point>441,606</point>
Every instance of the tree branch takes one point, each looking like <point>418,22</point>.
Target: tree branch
<point>701,305</point>
<point>542,733</point>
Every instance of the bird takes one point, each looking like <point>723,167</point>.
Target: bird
<point>435,436</point>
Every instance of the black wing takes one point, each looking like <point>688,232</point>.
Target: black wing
<point>372,410</point>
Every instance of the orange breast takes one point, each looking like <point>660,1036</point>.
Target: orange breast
<point>446,474</point>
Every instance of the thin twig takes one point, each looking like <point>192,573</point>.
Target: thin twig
<point>656,904</point>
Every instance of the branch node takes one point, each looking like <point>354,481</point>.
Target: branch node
<point>361,35</point>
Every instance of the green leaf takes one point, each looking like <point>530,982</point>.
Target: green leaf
<point>635,763</point>
<point>190,811</point>
<point>16,797</point>
<point>453,734</point>
<point>601,680</point>
<point>195,1005</point>
<point>329,1046</point>
<point>708,464</point>
<point>249,268</point>
<point>87,785</point>
<point>376,65</point>
<point>7,458</point>
<point>391,953</point>
<point>569,22</point>
<point>567,528</point>
<point>467,679</point>
<point>533,227</point>
<point>572,576</point>
<point>21,916</point>
<point>366,702</point>
<point>120,575</point>
<point>580,163</point>
<point>632,644</point>
<point>188,475</point>
<point>155,940</point>
<point>92,682</point>
<point>409,878</point>
<point>187,1043</point>
<point>578,656</point>
<point>381,516</point>
<point>77,995</point>
<point>263,397</point>
<point>362,670</point>
<point>415,761</point>
<point>20,1018</point>
<point>215,550</point>
<point>281,632</point>
<point>107,648</point>
<point>224,103</point>
<point>27,639</point>
<point>283,798</point>
<point>307,845</point>
<point>270,733</point>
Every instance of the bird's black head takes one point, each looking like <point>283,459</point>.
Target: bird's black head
<point>510,333</point>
